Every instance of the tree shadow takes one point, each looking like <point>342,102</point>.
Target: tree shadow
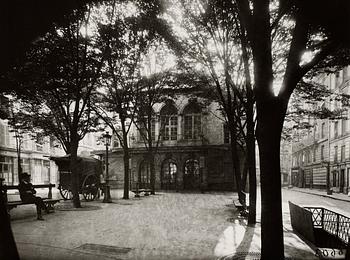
<point>237,241</point>
<point>245,245</point>
<point>299,252</point>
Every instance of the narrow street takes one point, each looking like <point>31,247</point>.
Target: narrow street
<point>304,199</point>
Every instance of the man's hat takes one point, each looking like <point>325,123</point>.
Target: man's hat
<point>24,175</point>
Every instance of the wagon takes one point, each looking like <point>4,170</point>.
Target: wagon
<point>89,171</point>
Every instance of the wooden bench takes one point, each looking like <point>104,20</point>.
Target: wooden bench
<point>139,191</point>
<point>10,204</point>
<point>326,232</point>
<point>140,187</point>
<point>243,210</point>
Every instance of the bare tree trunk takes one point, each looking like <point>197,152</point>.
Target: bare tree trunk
<point>126,157</point>
<point>153,174</point>
<point>251,158</point>
<point>236,162</point>
<point>268,133</point>
<point>245,174</point>
<point>75,181</point>
<point>250,138</point>
<point>126,173</point>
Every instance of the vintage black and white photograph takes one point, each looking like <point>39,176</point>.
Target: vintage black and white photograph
<point>175,129</point>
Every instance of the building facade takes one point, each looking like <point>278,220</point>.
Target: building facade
<point>193,152</point>
<point>34,156</point>
<point>321,157</point>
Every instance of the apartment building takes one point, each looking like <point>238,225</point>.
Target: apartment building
<point>34,158</point>
<point>34,154</point>
<point>321,157</point>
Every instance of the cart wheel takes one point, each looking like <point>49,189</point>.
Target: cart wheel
<point>65,193</point>
<point>90,188</point>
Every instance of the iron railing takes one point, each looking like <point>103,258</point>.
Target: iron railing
<point>332,222</point>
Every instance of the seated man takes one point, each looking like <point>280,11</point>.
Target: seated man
<point>27,194</point>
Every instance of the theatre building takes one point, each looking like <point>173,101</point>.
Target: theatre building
<point>193,152</point>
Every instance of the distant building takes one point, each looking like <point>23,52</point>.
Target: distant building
<point>321,157</point>
<point>194,151</point>
<point>34,156</point>
<point>285,161</point>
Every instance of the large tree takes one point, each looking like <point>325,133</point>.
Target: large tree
<point>319,32</point>
<point>19,29</point>
<point>56,84</point>
<point>126,39</point>
<point>210,37</point>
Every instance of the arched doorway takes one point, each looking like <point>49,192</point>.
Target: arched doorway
<point>144,175</point>
<point>191,175</point>
<point>169,175</point>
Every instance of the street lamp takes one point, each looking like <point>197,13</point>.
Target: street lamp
<point>107,190</point>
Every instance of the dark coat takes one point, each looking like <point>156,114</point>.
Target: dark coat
<point>26,191</point>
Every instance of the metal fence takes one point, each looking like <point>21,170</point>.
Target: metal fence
<point>332,222</point>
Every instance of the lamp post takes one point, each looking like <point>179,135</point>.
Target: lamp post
<point>107,191</point>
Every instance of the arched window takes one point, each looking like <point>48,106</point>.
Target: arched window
<point>192,122</point>
<point>168,125</point>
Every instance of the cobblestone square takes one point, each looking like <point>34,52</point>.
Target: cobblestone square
<point>163,226</point>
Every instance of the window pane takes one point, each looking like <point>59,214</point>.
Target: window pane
<point>173,121</point>
<point>173,133</point>
<point>197,126</point>
<point>166,133</point>
<point>164,127</point>
<point>188,127</point>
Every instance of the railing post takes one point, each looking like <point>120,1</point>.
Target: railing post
<point>337,225</point>
<point>322,218</point>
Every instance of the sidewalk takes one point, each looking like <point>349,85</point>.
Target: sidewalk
<point>323,193</point>
<point>164,226</point>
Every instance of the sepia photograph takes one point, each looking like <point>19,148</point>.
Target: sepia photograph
<point>175,130</point>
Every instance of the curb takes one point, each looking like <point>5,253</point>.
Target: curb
<point>321,195</point>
